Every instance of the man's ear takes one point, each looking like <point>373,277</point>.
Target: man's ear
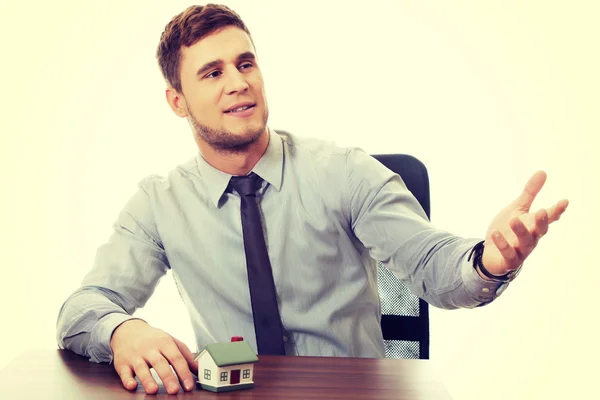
<point>176,102</point>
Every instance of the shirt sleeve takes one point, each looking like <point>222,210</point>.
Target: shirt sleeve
<point>125,273</point>
<point>391,224</point>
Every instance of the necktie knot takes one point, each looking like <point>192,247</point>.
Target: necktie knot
<point>246,185</point>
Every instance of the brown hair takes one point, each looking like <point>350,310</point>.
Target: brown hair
<point>188,27</point>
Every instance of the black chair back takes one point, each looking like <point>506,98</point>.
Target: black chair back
<point>405,317</point>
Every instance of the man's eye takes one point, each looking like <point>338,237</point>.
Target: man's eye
<point>246,65</point>
<point>214,74</point>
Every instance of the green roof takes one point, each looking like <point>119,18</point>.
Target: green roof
<point>231,353</point>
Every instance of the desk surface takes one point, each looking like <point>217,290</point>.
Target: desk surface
<point>59,374</point>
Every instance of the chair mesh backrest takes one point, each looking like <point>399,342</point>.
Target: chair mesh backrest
<point>405,317</point>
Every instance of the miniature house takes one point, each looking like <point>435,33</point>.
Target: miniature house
<point>224,367</point>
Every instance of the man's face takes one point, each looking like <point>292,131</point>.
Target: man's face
<point>223,90</point>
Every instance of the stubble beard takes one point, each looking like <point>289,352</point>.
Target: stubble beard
<point>223,140</point>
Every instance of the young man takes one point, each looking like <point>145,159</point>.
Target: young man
<point>270,236</point>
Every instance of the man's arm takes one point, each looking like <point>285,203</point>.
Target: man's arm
<point>391,224</point>
<point>125,273</point>
<point>88,319</point>
<point>95,320</point>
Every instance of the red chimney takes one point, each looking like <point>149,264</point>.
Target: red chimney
<point>237,338</point>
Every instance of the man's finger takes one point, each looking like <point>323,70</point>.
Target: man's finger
<point>188,355</point>
<point>506,250</point>
<point>164,371</point>
<point>126,374</point>
<point>532,188</point>
<point>526,241</point>
<point>143,373</point>
<point>541,223</point>
<point>180,364</point>
<point>556,210</point>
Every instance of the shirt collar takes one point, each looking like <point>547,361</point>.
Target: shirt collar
<point>269,168</point>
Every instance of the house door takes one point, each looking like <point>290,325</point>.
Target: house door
<point>235,376</point>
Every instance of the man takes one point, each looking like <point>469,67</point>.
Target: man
<point>303,218</point>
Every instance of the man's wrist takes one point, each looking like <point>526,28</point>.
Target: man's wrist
<point>123,325</point>
<point>99,349</point>
<point>477,254</point>
<point>482,275</point>
<point>481,290</point>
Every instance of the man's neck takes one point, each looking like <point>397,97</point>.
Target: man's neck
<point>235,163</point>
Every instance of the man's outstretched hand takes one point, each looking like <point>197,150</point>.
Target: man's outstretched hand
<point>515,231</point>
<point>137,346</point>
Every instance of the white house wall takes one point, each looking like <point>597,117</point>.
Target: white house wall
<point>228,369</point>
<point>205,361</point>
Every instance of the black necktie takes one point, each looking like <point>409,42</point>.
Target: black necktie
<point>267,322</point>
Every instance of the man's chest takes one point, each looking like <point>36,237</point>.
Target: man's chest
<point>307,240</point>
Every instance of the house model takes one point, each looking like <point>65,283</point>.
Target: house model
<point>223,367</point>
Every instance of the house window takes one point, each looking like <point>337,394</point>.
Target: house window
<point>223,376</point>
<point>207,374</point>
<point>246,374</point>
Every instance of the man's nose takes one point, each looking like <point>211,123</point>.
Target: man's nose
<point>236,82</point>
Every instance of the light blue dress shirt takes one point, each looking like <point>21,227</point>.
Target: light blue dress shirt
<point>328,214</point>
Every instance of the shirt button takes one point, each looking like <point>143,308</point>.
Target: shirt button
<point>485,290</point>
<point>285,338</point>
<point>501,289</point>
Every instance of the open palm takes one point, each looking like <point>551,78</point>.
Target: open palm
<point>515,231</point>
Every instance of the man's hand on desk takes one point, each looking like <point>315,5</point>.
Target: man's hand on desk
<point>137,346</point>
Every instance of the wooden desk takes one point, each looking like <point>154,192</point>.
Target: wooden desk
<point>59,374</point>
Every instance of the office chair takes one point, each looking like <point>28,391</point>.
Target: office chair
<point>405,317</point>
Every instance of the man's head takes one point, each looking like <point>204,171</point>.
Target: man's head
<point>208,60</point>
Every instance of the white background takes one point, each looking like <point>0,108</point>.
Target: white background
<point>484,93</point>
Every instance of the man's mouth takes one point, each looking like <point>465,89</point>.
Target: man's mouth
<point>240,109</point>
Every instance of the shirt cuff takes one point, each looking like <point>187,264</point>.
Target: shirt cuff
<point>99,350</point>
<point>480,289</point>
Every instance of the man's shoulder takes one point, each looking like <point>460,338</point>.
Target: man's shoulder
<point>311,147</point>
<point>182,172</point>
<point>325,153</point>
